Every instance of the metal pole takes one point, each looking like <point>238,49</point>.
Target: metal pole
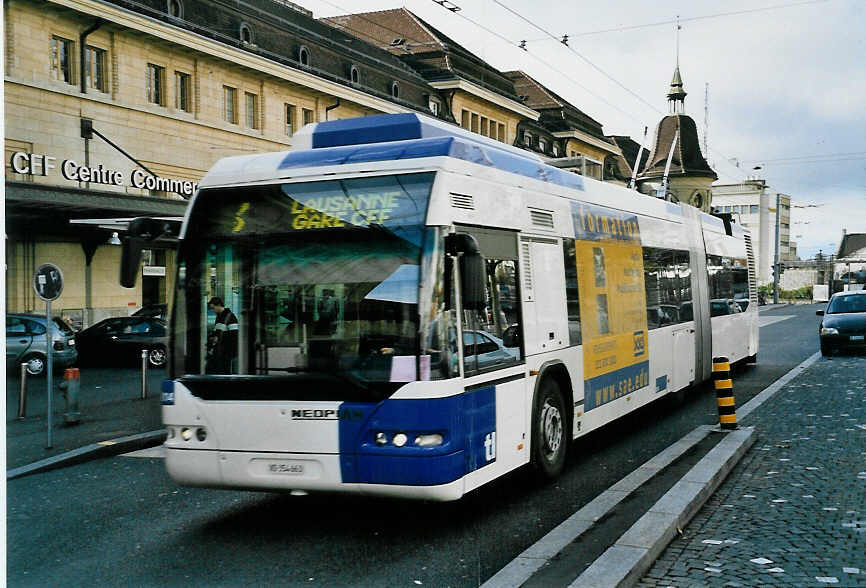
<point>22,393</point>
<point>143,374</point>
<point>49,368</point>
<point>776,253</point>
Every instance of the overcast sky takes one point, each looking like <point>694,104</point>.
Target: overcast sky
<point>787,82</point>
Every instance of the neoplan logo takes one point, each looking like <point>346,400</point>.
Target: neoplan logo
<point>327,414</point>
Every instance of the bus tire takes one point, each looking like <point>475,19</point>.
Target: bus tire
<point>549,435</point>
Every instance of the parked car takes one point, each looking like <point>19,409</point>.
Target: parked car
<point>844,324</point>
<point>26,342</point>
<point>489,350</point>
<point>122,339</point>
<point>159,311</point>
<point>723,306</point>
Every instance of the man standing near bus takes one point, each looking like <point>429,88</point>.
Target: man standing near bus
<point>223,342</point>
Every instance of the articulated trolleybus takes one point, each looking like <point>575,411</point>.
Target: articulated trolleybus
<point>407,309</point>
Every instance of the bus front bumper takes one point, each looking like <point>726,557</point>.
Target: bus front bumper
<point>287,472</point>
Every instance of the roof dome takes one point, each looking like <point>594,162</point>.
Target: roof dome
<point>687,159</point>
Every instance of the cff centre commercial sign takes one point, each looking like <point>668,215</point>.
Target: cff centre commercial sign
<point>40,164</point>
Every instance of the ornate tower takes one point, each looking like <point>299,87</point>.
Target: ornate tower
<point>690,175</point>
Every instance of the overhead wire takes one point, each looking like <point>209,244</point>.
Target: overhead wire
<point>686,19</point>
<point>557,71</point>
<point>597,68</point>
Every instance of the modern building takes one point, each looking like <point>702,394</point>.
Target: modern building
<point>676,148</point>
<point>115,108</point>
<point>753,205</point>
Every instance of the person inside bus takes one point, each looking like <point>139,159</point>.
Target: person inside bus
<point>223,343</point>
<point>327,323</point>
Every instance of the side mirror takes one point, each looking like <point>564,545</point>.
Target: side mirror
<point>511,336</point>
<point>141,230</point>
<point>472,268</point>
<point>130,261</point>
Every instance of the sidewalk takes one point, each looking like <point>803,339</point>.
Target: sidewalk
<point>110,405</point>
<point>793,511</point>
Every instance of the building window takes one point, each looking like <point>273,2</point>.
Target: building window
<point>94,67</point>
<point>182,91</point>
<point>252,110</point>
<point>395,90</point>
<point>304,56</point>
<point>290,119</point>
<point>354,75</point>
<point>542,145</point>
<point>308,116</point>
<point>155,83</point>
<point>246,33</point>
<point>501,129</point>
<point>61,59</point>
<point>434,106</point>
<point>175,8</point>
<point>555,150</point>
<point>230,97</point>
<point>753,209</point>
<point>527,139</point>
<point>475,121</point>
<point>464,119</point>
<point>484,126</point>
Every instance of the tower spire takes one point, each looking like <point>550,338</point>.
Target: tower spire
<point>676,94</point>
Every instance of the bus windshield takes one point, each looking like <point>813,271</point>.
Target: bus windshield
<point>311,278</point>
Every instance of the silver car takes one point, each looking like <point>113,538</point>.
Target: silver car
<point>26,343</point>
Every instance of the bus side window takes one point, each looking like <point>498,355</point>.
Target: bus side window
<point>484,332</point>
<point>571,291</point>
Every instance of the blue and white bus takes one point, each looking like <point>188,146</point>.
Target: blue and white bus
<point>421,310</point>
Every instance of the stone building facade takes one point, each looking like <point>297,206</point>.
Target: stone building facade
<point>160,91</point>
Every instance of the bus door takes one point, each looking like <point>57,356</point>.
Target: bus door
<point>493,359</point>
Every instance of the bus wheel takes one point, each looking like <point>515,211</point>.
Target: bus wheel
<point>549,442</point>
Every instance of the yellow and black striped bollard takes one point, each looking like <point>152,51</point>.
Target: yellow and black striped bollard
<point>724,393</point>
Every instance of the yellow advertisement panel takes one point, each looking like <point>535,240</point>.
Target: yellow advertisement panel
<point>612,303</point>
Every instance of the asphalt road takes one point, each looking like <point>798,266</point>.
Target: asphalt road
<point>122,521</point>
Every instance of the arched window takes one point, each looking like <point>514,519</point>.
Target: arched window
<point>354,75</point>
<point>247,33</point>
<point>304,56</point>
<point>395,89</point>
<point>175,8</point>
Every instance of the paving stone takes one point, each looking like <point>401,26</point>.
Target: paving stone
<point>809,462</point>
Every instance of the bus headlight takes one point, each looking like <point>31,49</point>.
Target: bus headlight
<point>428,440</point>
<point>186,434</point>
<point>400,439</point>
<point>200,434</point>
<point>381,439</point>
<point>829,331</point>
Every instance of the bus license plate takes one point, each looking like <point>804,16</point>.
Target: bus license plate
<point>295,469</point>
<point>858,337</point>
